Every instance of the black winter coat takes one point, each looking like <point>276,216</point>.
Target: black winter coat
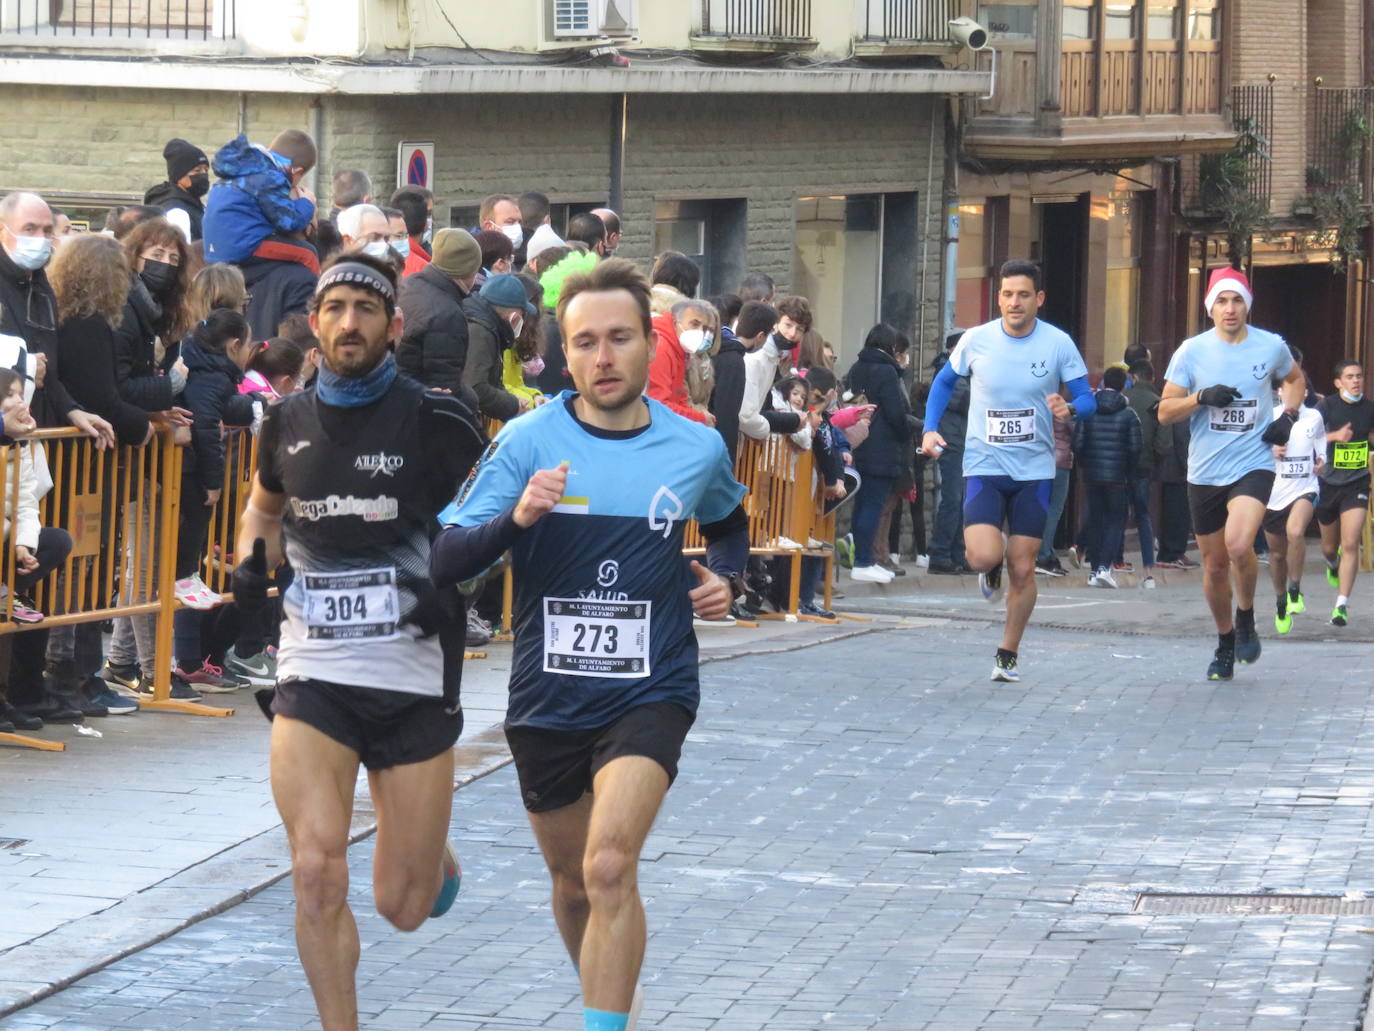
<point>51,402</point>
<point>554,379</point>
<point>877,375</point>
<point>87,349</point>
<point>489,337</point>
<point>136,371</point>
<point>434,344</point>
<point>1108,444</point>
<point>212,395</point>
<point>278,287</point>
<point>727,367</point>
<point>168,196</point>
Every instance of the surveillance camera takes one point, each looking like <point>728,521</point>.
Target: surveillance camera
<point>968,33</point>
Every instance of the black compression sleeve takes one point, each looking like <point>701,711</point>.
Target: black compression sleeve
<point>461,552</point>
<point>727,543</point>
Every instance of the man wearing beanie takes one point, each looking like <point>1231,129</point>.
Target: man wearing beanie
<point>434,345</point>
<point>188,180</point>
<point>1223,382</point>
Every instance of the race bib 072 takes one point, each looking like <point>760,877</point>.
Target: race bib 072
<point>1237,417</point>
<point>360,604</point>
<point>1011,425</point>
<point>1350,455</point>
<point>589,638</point>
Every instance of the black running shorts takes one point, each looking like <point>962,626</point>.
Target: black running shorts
<point>1208,503</point>
<point>1276,519</point>
<point>1338,498</point>
<point>385,728</point>
<point>557,767</point>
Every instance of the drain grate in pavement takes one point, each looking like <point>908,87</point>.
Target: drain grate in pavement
<point>11,843</point>
<point>1256,905</point>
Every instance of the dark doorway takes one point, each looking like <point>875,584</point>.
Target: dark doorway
<point>1063,236</point>
<point>1316,325</point>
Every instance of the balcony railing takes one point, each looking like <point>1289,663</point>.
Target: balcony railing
<point>1340,126</point>
<point>58,20</point>
<point>1241,178</point>
<point>908,21</point>
<point>757,19</point>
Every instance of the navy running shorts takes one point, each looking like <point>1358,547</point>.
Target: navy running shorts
<point>1022,506</point>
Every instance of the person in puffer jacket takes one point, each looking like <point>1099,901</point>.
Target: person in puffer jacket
<point>258,195</point>
<point>1108,448</point>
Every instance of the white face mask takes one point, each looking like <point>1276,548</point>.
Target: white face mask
<point>515,233</point>
<point>518,325</point>
<point>694,341</point>
<point>31,252</point>
<point>1349,397</point>
<point>376,249</point>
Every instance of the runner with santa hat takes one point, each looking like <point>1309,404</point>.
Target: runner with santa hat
<point>1223,382</point>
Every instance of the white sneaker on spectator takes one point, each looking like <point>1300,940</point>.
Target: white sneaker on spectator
<point>894,558</point>
<point>1148,583</point>
<point>194,594</point>
<point>787,544</point>
<point>923,561</point>
<point>1102,578</point>
<point>872,574</point>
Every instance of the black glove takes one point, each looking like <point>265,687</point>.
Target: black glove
<point>1217,396</point>
<point>1278,431</point>
<point>250,580</point>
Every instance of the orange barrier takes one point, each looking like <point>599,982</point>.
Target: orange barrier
<point>121,507</point>
<point>240,463</point>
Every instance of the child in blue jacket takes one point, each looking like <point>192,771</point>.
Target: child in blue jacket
<point>258,194</point>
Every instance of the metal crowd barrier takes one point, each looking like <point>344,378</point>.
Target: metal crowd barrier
<point>121,507</point>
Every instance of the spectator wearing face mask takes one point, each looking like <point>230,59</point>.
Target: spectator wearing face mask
<point>501,212</point>
<point>497,255</point>
<point>364,228</point>
<point>683,333</point>
<point>188,181</point>
<point>589,229</point>
<point>496,316</point>
<point>415,203</point>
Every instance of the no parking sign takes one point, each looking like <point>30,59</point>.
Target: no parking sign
<point>415,164</point>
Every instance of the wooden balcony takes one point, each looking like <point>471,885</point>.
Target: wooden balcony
<point>1106,100</point>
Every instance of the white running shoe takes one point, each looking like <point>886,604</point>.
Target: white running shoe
<point>194,594</point>
<point>1102,578</point>
<point>923,561</point>
<point>1148,584</point>
<point>872,574</point>
<point>990,583</point>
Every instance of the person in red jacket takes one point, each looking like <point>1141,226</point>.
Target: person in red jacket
<point>685,331</point>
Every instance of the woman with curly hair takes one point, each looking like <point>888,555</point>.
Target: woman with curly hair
<point>156,315</point>
<point>90,276</point>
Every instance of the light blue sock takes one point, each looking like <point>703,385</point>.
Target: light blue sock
<point>602,1020</point>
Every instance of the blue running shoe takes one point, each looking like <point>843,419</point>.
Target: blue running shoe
<point>453,877</point>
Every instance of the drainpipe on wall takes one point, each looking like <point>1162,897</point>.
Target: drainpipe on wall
<point>616,191</point>
<point>951,225</point>
<point>243,114</point>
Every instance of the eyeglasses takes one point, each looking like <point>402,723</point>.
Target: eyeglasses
<point>40,312</point>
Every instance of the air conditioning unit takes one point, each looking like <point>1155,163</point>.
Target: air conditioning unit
<point>582,18</point>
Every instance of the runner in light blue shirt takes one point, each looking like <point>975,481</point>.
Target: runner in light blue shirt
<point>1015,366</point>
<point>1223,382</point>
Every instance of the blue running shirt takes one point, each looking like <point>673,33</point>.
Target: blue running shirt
<point>1010,427</point>
<point>602,618</point>
<point>1226,441</point>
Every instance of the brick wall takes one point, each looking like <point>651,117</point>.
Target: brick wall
<point>110,141</point>
<point>1265,32</point>
<point>1334,41</point>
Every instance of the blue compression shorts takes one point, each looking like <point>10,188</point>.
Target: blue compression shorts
<point>1022,506</point>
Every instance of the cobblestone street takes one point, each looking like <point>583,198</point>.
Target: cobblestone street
<point>868,834</point>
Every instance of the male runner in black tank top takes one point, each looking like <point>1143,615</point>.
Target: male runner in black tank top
<point>350,478</point>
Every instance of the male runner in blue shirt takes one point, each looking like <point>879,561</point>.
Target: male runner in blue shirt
<point>590,494</point>
<point>1223,381</point>
<point>1015,365</point>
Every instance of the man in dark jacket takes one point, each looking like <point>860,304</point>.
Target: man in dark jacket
<point>727,369</point>
<point>1175,518</point>
<point>280,277</point>
<point>1144,401</point>
<point>1108,448</point>
<point>188,180</point>
<point>28,310</point>
<point>495,316</point>
<point>434,343</point>
<point>947,542</point>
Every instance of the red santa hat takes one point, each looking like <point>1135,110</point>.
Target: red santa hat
<point>1228,279</point>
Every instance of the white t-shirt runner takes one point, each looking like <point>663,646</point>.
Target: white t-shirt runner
<point>1295,474</point>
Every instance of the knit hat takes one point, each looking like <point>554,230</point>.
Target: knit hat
<point>181,157</point>
<point>506,291</point>
<point>456,253</point>
<point>544,237</point>
<point>1228,279</point>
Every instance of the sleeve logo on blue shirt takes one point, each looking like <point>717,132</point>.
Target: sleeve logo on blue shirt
<point>472,475</point>
<point>1040,369</point>
<point>664,510</point>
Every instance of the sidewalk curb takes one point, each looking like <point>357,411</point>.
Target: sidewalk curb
<point>202,890</point>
